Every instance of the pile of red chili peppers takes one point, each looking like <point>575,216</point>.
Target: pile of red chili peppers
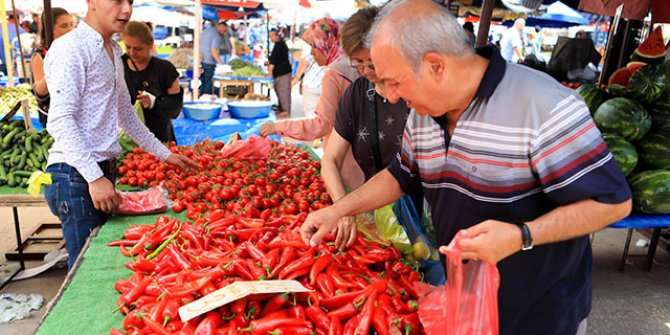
<point>362,290</point>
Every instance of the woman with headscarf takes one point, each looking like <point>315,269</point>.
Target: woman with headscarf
<point>323,36</point>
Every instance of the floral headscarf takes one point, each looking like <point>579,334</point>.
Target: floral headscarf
<point>324,35</point>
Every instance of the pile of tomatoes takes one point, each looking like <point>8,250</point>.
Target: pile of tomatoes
<point>288,182</point>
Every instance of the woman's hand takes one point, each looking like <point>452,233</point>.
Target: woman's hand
<point>267,129</point>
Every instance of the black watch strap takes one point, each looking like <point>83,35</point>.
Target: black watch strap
<point>527,239</point>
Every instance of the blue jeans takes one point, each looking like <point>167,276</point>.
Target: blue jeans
<point>207,85</point>
<point>70,201</point>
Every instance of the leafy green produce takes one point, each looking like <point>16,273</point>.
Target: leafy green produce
<point>249,71</point>
<point>10,96</point>
<point>238,63</point>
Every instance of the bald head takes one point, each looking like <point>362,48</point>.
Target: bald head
<point>437,31</point>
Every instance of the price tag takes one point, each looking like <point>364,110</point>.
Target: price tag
<point>236,291</point>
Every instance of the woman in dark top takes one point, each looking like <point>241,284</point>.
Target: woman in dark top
<point>280,67</point>
<point>63,24</point>
<point>151,81</point>
<point>365,122</point>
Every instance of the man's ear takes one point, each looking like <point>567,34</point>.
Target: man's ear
<point>435,64</point>
<point>91,4</point>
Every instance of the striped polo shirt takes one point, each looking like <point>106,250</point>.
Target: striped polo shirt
<point>524,146</point>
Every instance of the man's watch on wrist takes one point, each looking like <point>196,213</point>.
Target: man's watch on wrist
<point>526,238</point>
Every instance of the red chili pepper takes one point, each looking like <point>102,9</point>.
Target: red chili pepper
<point>410,323</point>
<point>132,320</point>
<point>156,312</point>
<point>297,273</point>
<point>320,264</point>
<point>337,279</point>
<point>339,300</point>
<point>288,255</point>
<point>140,264</point>
<point>135,293</point>
<point>242,271</point>
<point>209,324</point>
<point>115,331</point>
<point>365,320</point>
<point>178,257</point>
<point>255,253</point>
<point>271,258</point>
<point>276,303</point>
<point>171,310</point>
<point>256,271</point>
<point>413,276</point>
<point>245,234</point>
<point>282,313</point>
<point>292,331</point>
<point>350,327</point>
<point>320,319</point>
<point>253,310</point>
<point>125,252</point>
<point>325,284</point>
<point>335,327</point>
<point>408,287</point>
<point>379,321</point>
<point>239,306</point>
<point>123,285</point>
<point>346,311</point>
<point>155,326</point>
<point>263,326</point>
<point>125,243</point>
<point>188,288</point>
<point>304,261</point>
<point>297,312</point>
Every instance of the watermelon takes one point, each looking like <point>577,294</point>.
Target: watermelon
<point>623,151</point>
<point>660,112</point>
<point>648,83</point>
<point>652,50</point>
<point>593,96</point>
<point>624,117</point>
<point>620,77</point>
<point>654,149</point>
<point>634,66</point>
<point>651,191</point>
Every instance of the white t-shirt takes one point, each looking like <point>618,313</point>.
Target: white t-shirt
<point>511,39</point>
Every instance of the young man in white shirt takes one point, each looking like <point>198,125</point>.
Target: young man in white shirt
<point>89,101</point>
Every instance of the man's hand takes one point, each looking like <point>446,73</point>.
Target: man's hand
<point>267,129</point>
<point>183,162</point>
<point>318,224</point>
<point>491,241</point>
<point>345,232</point>
<point>103,195</point>
<point>147,99</point>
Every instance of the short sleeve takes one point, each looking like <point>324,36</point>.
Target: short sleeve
<point>344,118</point>
<point>169,74</point>
<point>572,161</point>
<point>404,168</point>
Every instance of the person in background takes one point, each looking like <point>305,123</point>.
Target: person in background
<point>511,43</point>
<point>12,33</point>
<point>309,75</point>
<point>89,102</point>
<point>210,40</point>
<point>366,124</point>
<point>37,23</point>
<point>63,24</point>
<point>227,46</point>
<point>280,69</point>
<point>521,179</point>
<point>324,38</point>
<point>469,30</point>
<point>152,81</point>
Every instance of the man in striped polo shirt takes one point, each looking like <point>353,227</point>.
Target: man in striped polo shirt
<point>501,151</point>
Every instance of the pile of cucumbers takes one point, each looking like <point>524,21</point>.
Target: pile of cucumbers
<point>22,153</point>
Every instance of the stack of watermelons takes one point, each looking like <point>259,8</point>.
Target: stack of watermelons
<point>634,116</point>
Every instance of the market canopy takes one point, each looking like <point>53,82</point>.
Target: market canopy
<point>633,9</point>
<point>558,15</point>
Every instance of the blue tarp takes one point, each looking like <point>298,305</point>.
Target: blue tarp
<point>189,132</point>
<point>643,221</point>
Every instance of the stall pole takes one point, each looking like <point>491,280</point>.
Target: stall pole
<point>6,46</point>
<point>48,26</point>
<point>18,37</point>
<point>484,23</point>
<point>196,50</point>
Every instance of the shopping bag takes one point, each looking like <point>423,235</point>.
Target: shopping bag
<point>149,201</point>
<point>253,148</point>
<point>424,248</point>
<point>468,303</point>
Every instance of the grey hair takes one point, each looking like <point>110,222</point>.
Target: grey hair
<point>436,31</point>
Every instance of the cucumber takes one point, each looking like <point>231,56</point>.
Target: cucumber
<point>29,143</point>
<point>22,173</point>
<point>8,138</point>
<point>10,180</point>
<point>22,161</point>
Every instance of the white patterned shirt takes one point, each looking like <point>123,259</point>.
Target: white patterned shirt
<point>89,101</point>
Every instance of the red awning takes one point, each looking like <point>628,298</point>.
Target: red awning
<point>232,3</point>
<point>633,9</point>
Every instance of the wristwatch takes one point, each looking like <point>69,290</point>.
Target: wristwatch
<point>527,240</point>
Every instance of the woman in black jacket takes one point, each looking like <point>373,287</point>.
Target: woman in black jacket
<point>151,81</point>
<point>280,67</point>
